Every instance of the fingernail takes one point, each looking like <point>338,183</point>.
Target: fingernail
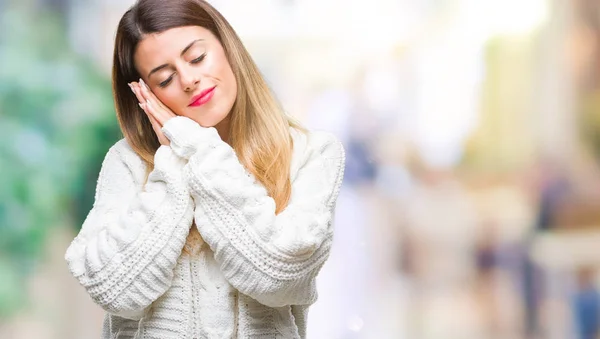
<point>143,83</point>
<point>143,106</point>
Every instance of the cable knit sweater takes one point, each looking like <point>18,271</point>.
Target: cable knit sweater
<point>254,275</point>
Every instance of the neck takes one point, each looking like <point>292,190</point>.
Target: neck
<point>223,129</point>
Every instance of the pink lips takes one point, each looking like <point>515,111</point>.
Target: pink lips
<point>203,97</point>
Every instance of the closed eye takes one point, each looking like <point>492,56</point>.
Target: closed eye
<point>194,61</point>
<point>166,82</point>
<point>198,59</point>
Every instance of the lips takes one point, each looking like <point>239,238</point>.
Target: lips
<point>203,97</point>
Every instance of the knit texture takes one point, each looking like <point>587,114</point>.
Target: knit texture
<point>254,277</point>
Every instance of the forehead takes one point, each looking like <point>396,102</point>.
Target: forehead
<point>158,48</point>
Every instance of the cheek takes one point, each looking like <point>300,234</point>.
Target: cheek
<point>231,83</point>
<point>171,100</point>
<point>229,91</point>
<point>224,72</point>
<point>233,90</point>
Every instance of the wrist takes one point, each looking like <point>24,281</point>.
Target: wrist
<point>185,135</point>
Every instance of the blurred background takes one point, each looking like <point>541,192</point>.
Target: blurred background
<point>471,202</point>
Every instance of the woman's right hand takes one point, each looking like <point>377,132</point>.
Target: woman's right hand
<point>136,88</point>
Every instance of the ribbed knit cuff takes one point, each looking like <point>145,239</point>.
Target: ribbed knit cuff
<point>166,160</point>
<point>186,135</point>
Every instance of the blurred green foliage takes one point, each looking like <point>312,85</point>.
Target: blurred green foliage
<point>57,121</point>
<point>590,121</point>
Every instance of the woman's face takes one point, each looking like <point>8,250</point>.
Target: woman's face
<point>187,69</point>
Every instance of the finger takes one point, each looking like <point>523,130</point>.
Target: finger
<point>155,124</point>
<point>157,114</point>
<point>152,113</point>
<point>158,130</point>
<point>135,88</point>
<point>149,95</point>
<point>146,92</point>
<point>161,115</point>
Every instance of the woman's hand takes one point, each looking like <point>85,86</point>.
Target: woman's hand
<point>157,112</point>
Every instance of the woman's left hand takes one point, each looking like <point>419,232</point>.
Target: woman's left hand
<point>157,112</point>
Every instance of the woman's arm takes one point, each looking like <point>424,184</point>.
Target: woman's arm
<point>130,241</point>
<point>271,258</point>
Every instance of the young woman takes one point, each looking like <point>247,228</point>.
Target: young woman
<point>213,216</point>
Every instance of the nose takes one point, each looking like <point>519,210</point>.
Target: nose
<point>189,80</point>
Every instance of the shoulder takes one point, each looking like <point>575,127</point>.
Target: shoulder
<point>121,147</point>
<point>317,143</point>
<point>121,151</point>
<point>321,149</point>
<point>326,144</point>
<point>319,158</point>
<point>121,154</point>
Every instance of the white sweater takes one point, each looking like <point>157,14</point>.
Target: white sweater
<point>254,277</point>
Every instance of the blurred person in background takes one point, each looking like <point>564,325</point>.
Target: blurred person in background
<point>553,189</point>
<point>212,217</point>
<point>586,304</point>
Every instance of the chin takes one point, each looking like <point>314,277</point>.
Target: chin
<point>207,118</point>
<point>207,122</point>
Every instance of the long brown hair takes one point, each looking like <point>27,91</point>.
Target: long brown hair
<point>259,128</point>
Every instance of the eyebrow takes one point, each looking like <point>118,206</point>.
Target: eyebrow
<point>183,51</point>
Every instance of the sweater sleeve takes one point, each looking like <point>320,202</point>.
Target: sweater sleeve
<point>129,243</point>
<point>272,258</point>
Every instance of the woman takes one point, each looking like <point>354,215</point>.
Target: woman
<point>212,217</point>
